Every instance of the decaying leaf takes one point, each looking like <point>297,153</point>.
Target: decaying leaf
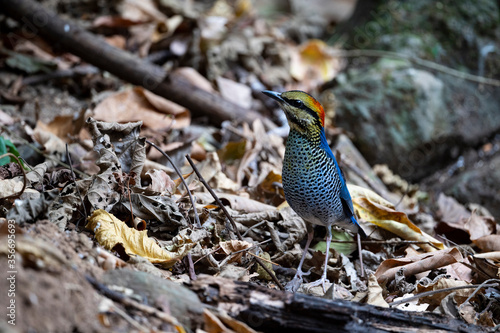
<point>314,61</point>
<point>61,210</point>
<point>232,246</point>
<point>410,305</point>
<point>375,293</point>
<point>138,104</point>
<point>488,243</point>
<point>155,207</point>
<point>114,234</point>
<point>416,264</point>
<point>120,150</point>
<point>372,208</point>
<point>460,295</point>
<point>161,182</point>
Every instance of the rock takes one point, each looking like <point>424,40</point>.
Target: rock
<point>182,302</point>
<point>479,184</point>
<point>410,119</point>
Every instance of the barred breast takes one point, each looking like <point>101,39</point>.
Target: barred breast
<point>311,182</point>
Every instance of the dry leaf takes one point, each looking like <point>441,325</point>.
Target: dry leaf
<point>479,226</point>
<point>236,202</point>
<point>375,293</point>
<point>235,92</point>
<point>488,243</point>
<point>410,305</point>
<point>62,126</point>
<point>314,61</point>
<point>232,246</point>
<point>416,264</point>
<point>161,182</point>
<point>372,208</point>
<point>443,283</point>
<point>114,234</point>
<point>196,79</point>
<point>138,104</point>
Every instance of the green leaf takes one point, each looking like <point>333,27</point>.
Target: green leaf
<point>6,146</point>
<point>345,248</point>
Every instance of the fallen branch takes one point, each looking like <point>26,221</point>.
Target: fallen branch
<point>274,310</point>
<point>37,20</point>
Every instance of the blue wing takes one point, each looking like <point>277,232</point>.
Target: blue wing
<point>345,196</point>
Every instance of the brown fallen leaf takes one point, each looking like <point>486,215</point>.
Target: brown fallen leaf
<point>138,104</point>
<point>443,283</point>
<point>232,246</point>
<point>314,61</point>
<point>479,226</point>
<point>370,207</point>
<point>161,182</point>
<point>488,243</point>
<point>375,293</point>
<point>114,234</point>
<point>416,264</point>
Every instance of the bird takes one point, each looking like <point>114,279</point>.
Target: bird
<point>313,183</point>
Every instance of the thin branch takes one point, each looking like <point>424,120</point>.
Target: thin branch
<point>196,217</point>
<point>433,292</point>
<point>233,224</point>
<point>216,198</point>
<point>418,61</point>
<point>73,178</point>
<point>482,285</point>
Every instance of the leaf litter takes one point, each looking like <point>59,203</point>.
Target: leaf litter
<point>119,178</point>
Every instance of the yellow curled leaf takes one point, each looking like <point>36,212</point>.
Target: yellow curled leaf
<point>371,207</point>
<point>111,233</point>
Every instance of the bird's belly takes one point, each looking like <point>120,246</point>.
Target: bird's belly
<point>313,193</point>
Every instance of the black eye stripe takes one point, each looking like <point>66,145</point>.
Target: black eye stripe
<point>299,104</point>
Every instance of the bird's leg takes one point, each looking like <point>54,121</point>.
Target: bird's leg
<point>323,279</point>
<point>295,283</point>
<point>360,256</point>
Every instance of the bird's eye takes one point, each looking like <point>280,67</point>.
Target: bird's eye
<point>297,103</point>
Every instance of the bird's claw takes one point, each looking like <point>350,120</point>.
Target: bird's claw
<point>297,280</point>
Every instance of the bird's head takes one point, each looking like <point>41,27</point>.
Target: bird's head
<point>304,113</point>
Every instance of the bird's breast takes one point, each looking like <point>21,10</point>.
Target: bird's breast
<point>311,182</point>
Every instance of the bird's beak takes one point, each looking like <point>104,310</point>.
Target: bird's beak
<point>274,95</point>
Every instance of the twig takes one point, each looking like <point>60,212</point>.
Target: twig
<point>216,198</point>
<point>253,226</point>
<point>73,178</point>
<point>24,175</point>
<point>432,292</point>
<point>233,224</point>
<point>59,74</point>
<point>418,61</point>
<point>196,217</point>
<point>192,273</point>
<point>482,285</point>
<point>389,242</point>
<point>206,255</point>
<point>129,319</point>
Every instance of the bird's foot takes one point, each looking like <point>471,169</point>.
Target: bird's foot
<point>295,283</point>
<point>321,282</point>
